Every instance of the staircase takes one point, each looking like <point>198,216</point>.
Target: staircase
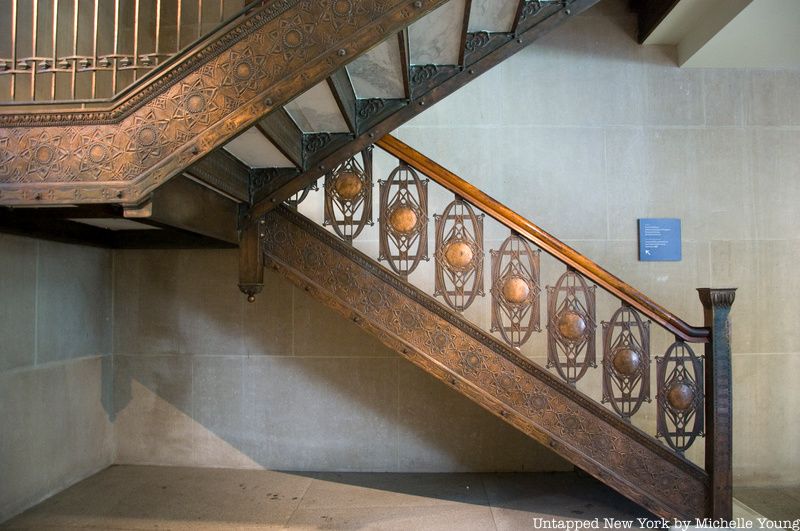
<point>492,365</point>
<point>221,140</point>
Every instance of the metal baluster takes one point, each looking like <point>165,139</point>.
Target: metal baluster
<point>55,54</point>
<point>178,28</point>
<point>94,51</point>
<point>157,48</point>
<point>136,40</point>
<point>199,18</point>
<point>115,72</point>
<point>34,66</point>
<point>13,46</point>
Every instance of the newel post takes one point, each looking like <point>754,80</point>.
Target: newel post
<point>719,412</point>
<point>251,260</point>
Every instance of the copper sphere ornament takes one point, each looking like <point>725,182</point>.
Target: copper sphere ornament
<point>572,326</point>
<point>458,254</point>
<point>403,219</point>
<point>516,290</point>
<point>348,185</point>
<point>626,361</point>
<point>680,396</point>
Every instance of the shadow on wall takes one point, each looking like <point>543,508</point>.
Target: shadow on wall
<point>297,388</point>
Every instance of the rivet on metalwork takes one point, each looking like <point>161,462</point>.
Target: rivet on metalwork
<point>417,4</point>
<point>342,52</point>
<point>567,12</point>
<point>268,101</point>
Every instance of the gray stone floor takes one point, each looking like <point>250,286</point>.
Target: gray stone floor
<point>776,503</point>
<point>142,497</point>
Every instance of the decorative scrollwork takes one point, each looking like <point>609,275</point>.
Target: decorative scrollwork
<point>530,8</point>
<point>476,40</point>
<point>515,291</point>
<point>313,142</point>
<point>459,255</point>
<point>680,396</point>
<point>626,361</point>
<point>403,220</point>
<point>369,107</point>
<point>421,73</point>
<point>571,326</point>
<point>348,196</point>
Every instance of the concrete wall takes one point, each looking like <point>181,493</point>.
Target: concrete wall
<point>203,378</point>
<point>55,368</point>
<point>586,131</point>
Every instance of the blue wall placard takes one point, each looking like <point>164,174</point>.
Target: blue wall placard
<point>659,239</point>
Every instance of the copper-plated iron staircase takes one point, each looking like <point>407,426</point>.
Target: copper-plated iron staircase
<point>546,405</point>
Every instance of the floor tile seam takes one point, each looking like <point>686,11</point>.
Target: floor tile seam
<point>489,504</point>
<point>299,503</point>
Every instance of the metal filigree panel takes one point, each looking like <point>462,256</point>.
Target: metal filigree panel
<point>571,326</point>
<point>515,291</point>
<point>626,361</point>
<point>348,196</point>
<point>459,255</point>
<point>680,396</point>
<point>403,220</point>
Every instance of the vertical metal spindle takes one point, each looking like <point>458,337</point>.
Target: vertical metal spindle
<point>13,46</point>
<point>199,18</point>
<point>94,52</point>
<point>178,29</point>
<point>221,11</point>
<point>115,73</point>
<point>55,54</point>
<point>34,65</point>
<point>156,50</point>
<point>135,40</point>
<point>76,6</point>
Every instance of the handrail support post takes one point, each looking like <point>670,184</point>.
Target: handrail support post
<point>718,401</point>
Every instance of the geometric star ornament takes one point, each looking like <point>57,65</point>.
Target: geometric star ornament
<point>459,255</point>
<point>515,290</point>
<point>626,361</point>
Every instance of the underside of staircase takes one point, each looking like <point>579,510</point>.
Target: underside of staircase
<point>217,144</point>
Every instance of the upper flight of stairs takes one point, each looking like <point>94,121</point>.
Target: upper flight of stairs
<point>290,88</point>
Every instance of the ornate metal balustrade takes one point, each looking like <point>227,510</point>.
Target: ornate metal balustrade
<point>612,344</point>
<point>89,51</point>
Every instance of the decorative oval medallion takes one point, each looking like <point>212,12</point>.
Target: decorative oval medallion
<point>348,196</point>
<point>459,255</point>
<point>571,326</point>
<point>515,291</point>
<point>626,361</point>
<point>680,396</point>
<point>403,220</point>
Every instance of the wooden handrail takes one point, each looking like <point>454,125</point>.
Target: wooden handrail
<point>545,241</point>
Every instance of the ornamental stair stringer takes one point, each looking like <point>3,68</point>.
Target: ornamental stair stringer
<point>207,95</point>
<point>482,368</point>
